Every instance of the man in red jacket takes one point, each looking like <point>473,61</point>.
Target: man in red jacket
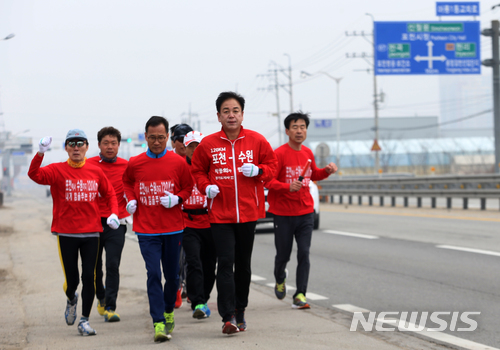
<point>156,183</point>
<point>111,240</point>
<point>229,167</point>
<point>292,205</point>
<point>75,186</point>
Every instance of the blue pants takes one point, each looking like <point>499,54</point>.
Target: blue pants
<point>162,249</point>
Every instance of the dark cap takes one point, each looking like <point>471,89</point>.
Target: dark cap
<point>179,131</point>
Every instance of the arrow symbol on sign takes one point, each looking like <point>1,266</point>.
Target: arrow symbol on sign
<point>429,58</point>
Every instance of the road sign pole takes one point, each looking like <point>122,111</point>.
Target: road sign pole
<point>496,91</point>
<point>375,104</point>
<point>495,64</point>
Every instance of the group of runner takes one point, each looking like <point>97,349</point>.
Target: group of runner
<point>204,196</point>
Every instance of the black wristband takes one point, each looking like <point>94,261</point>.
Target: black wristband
<point>180,199</point>
<point>261,171</point>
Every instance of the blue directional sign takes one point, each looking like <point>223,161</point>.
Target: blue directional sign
<point>427,48</point>
<point>457,8</point>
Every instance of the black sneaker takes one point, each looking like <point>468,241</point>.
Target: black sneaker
<point>230,326</point>
<point>240,321</point>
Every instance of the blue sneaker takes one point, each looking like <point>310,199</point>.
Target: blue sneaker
<point>70,313</point>
<point>201,311</point>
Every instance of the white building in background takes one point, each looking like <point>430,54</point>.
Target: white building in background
<point>462,96</point>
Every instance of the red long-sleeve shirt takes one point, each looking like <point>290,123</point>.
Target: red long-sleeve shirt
<point>290,165</point>
<point>74,195</point>
<point>114,173</point>
<point>218,160</point>
<point>146,179</point>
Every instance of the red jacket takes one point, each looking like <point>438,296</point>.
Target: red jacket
<point>74,193</point>
<point>290,165</point>
<point>146,180</point>
<point>218,160</point>
<point>114,173</point>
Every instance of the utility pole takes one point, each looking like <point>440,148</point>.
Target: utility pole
<point>495,64</point>
<point>276,88</point>
<point>273,74</point>
<point>290,84</point>
<point>376,100</point>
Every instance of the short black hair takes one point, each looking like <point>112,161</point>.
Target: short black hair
<point>178,131</point>
<point>293,117</point>
<point>224,96</point>
<point>109,130</point>
<point>155,121</point>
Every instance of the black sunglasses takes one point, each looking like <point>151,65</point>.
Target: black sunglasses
<point>72,144</point>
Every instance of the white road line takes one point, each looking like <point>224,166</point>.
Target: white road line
<point>439,337</point>
<point>470,250</point>
<point>314,296</point>
<point>350,234</point>
<point>288,287</point>
<point>258,278</point>
<point>309,295</point>
<point>350,308</point>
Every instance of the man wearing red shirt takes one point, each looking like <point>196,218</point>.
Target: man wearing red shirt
<point>292,205</point>
<point>156,182</point>
<point>75,186</point>
<point>111,240</point>
<point>229,167</point>
<point>198,242</point>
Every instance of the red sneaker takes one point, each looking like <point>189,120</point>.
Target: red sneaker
<point>178,301</point>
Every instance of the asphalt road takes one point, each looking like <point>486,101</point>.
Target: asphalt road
<point>402,268</point>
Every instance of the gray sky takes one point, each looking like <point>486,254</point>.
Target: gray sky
<point>90,64</point>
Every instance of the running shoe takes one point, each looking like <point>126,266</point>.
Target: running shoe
<point>85,329</point>
<point>280,288</point>
<point>70,313</point>
<point>300,302</point>
<point>240,321</point>
<point>101,307</point>
<point>184,292</point>
<point>230,326</point>
<point>178,300</point>
<point>111,316</point>
<point>160,334</point>
<point>169,322</point>
<point>201,311</point>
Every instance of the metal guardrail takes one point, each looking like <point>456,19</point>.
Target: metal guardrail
<point>448,186</point>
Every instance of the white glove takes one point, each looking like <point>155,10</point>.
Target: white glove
<point>212,191</point>
<point>249,170</point>
<point>44,144</point>
<point>113,221</point>
<point>132,206</point>
<point>169,200</point>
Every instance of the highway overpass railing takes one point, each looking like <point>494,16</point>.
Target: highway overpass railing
<point>406,186</point>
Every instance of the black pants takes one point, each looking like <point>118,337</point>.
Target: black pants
<point>112,241</point>
<point>199,247</point>
<point>233,245</point>
<point>285,228</point>
<point>68,252</point>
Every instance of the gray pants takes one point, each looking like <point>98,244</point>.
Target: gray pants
<point>285,229</point>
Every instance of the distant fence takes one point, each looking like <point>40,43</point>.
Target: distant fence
<point>452,186</point>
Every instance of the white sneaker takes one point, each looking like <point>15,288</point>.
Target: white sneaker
<point>70,313</point>
<point>85,329</point>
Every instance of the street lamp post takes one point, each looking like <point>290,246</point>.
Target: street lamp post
<point>304,74</point>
